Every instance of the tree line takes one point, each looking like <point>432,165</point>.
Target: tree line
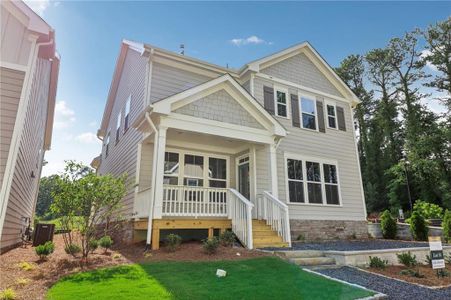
<point>404,147</point>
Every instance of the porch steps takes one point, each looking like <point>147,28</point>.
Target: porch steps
<point>264,236</point>
<point>308,258</point>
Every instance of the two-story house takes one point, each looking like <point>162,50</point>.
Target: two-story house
<point>268,150</point>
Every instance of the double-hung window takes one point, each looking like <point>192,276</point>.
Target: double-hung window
<point>281,103</point>
<point>217,172</point>
<point>314,182</point>
<point>194,170</point>
<point>295,180</point>
<point>331,115</point>
<point>118,127</point>
<point>308,113</point>
<point>171,168</point>
<point>331,184</point>
<point>107,144</point>
<point>127,114</point>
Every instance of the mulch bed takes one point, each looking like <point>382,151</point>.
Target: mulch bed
<point>430,278</point>
<point>59,264</point>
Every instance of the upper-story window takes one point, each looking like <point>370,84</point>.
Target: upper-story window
<point>118,126</point>
<point>107,144</point>
<point>127,113</point>
<point>308,113</point>
<point>280,98</point>
<point>331,115</point>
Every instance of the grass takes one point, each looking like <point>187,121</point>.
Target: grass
<point>260,278</point>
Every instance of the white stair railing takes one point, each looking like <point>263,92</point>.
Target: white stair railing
<point>275,213</point>
<point>240,212</point>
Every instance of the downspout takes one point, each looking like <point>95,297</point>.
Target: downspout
<point>152,195</point>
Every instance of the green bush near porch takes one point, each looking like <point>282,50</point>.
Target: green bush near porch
<point>261,278</point>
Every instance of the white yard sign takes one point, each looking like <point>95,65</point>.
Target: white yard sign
<point>437,259</point>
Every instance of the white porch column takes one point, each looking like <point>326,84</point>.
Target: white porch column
<point>159,172</point>
<point>273,170</point>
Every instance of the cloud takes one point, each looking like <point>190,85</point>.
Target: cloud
<point>64,116</point>
<point>39,6</point>
<point>251,40</point>
<point>425,53</point>
<point>87,138</point>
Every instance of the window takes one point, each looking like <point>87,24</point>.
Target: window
<point>194,170</point>
<point>308,116</point>
<point>295,182</point>
<point>331,116</point>
<point>217,172</point>
<point>118,127</point>
<point>307,185</point>
<point>331,184</point>
<point>171,168</point>
<point>107,144</point>
<point>127,114</point>
<point>281,103</point>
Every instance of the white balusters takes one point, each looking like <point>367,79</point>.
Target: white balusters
<point>240,210</point>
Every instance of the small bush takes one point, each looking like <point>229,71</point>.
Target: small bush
<point>8,294</point>
<point>446,224</point>
<point>428,260</point>
<point>93,245</point>
<point>72,249</point>
<point>418,227</point>
<point>45,250</point>
<point>407,259</point>
<point>300,237</point>
<point>106,242</point>
<point>173,241</point>
<point>26,266</point>
<point>428,210</point>
<point>227,238</point>
<point>376,262</point>
<point>22,281</point>
<point>413,273</point>
<point>211,245</point>
<point>388,225</point>
<point>116,256</point>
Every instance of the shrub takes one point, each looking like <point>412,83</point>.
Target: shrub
<point>93,245</point>
<point>428,260</point>
<point>26,266</point>
<point>388,225</point>
<point>211,245</point>
<point>22,281</point>
<point>227,238</point>
<point>446,224</point>
<point>418,227</point>
<point>45,250</point>
<point>173,241</point>
<point>106,242</point>
<point>428,210</point>
<point>407,259</point>
<point>376,262</point>
<point>72,249</point>
<point>8,294</point>
<point>413,273</point>
<point>300,237</point>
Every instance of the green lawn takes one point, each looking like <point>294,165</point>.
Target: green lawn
<point>261,278</point>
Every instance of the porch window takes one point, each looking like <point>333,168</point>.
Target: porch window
<point>295,180</point>
<point>281,103</point>
<point>331,116</point>
<point>331,184</point>
<point>217,172</point>
<point>308,109</point>
<point>194,170</point>
<point>171,168</point>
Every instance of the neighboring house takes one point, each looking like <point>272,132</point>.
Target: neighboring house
<point>268,150</point>
<point>28,77</point>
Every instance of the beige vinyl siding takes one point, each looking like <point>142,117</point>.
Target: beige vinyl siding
<point>247,86</point>
<point>22,197</point>
<point>145,170</point>
<point>263,169</point>
<point>335,145</point>
<point>11,82</point>
<point>122,156</point>
<point>167,81</point>
<point>299,69</point>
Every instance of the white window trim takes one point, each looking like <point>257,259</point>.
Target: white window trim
<point>313,98</point>
<point>276,111</point>
<point>321,161</point>
<point>127,110</point>
<point>334,104</point>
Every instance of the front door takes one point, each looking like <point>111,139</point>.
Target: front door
<point>244,186</point>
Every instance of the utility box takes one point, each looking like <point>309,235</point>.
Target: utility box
<point>43,233</point>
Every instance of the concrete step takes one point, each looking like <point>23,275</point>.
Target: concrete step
<point>267,245</point>
<point>260,233</point>
<point>313,261</point>
<point>267,239</point>
<point>301,253</point>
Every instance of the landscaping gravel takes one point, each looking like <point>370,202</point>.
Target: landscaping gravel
<point>346,245</point>
<point>395,289</point>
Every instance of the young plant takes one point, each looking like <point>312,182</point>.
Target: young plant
<point>72,249</point>
<point>106,242</point>
<point>418,227</point>
<point>388,225</point>
<point>407,259</point>
<point>378,263</point>
<point>26,266</point>
<point>45,250</point>
<point>8,294</point>
<point>413,273</point>
<point>428,260</point>
<point>211,245</point>
<point>227,238</point>
<point>173,241</point>
<point>300,237</point>
<point>93,245</point>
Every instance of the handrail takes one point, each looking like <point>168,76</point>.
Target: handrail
<point>240,212</point>
<point>275,199</point>
<point>242,198</point>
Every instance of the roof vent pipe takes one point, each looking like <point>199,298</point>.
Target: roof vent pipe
<point>182,49</point>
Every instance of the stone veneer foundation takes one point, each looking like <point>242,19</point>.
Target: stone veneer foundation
<point>314,230</point>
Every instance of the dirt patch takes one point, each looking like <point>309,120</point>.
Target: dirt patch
<point>34,283</point>
<point>430,276</point>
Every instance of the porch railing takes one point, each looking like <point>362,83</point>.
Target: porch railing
<point>194,201</point>
<point>240,212</point>
<point>275,213</point>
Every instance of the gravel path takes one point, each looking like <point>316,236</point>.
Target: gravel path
<point>346,245</point>
<point>395,289</point>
